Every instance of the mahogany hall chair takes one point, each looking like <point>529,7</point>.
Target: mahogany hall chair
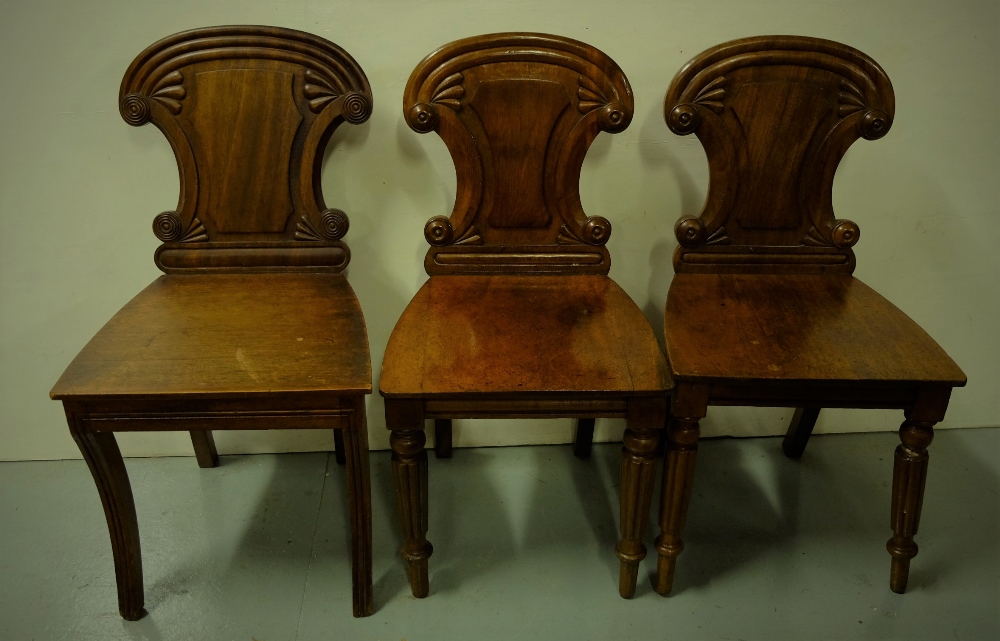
<point>519,317</point>
<point>763,309</point>
<point>253,325</point>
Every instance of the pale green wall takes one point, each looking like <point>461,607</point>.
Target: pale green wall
<point>79,188</point>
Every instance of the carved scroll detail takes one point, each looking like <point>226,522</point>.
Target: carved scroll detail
<point>438,231</point>
<point>613,117</point>
<point>134,109</point>
<point>423,116</point>
<point>845,233</point>
<point>685,118</point>
<point>334,224</point>
<point>167,226</point>
<point>357,108</point>
<point>595,231</point>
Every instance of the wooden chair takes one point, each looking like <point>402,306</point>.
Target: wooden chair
<point>519,318</point>
<point>253,325</point>
<point>763,309</point>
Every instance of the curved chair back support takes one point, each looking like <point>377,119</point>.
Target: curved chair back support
<point>775,115</point>
<point>518,113</point>
<point>248,112</point>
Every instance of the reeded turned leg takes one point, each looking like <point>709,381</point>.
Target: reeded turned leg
<point>355,452</point>
<point>204,448</point>
<point>584,441</point>
<point>799,431</point>
<point>639,444</point>
<point>101,452</point>
<point>338,447</point>
<point>442,437</point>
<point>909,475</point>
<point>690,406</point>
<point>409,473</point>
<point>638,472</point>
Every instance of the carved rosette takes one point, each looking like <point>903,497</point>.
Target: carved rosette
<point>167,226</point>
<point>690,231</point>
<point>357,108</point>
<point>134,109</point>
<point>845,233</point>
<point>438,231</point>
<point>334,224</point>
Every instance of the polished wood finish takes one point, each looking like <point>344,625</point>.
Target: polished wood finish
<point>573,334</point>
<point>253,326</point>
<point>519,318</point>
<point>764,309</point>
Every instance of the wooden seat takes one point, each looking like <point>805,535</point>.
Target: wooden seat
<point>202,335</point>
<point>573,334</point>
<point>792,328</point>
<point>764,309</point>
<point>519,317</point>
<point>253,326</point>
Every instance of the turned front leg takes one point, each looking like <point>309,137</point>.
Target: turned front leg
<point>409,473</point>
<point>909,475</point>
<point>678,478</point>
<point>638,473</point>
<point>104,459</point>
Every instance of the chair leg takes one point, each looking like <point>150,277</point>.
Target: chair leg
<point>104,459</point>
<point>409,473</point>
<point>584,442</point>
<point>909,475</point>
<point>359,498</point>
<point>638,472</point>
<point>442,437</point>
<point>799,431</point>
<point>644,421</point>
<point>204,448</point>
<point>678,477</point>
<point>339,453</point>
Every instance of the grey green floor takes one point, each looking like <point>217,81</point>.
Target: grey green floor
<point>523,548</point>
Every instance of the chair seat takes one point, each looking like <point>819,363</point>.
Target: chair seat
<point>225,334</point>
<point>764,327</point>
<point>510,334</point>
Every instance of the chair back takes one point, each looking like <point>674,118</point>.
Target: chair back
<point>775,115</point>
<point>518,112</point>
<point>248,112</point>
